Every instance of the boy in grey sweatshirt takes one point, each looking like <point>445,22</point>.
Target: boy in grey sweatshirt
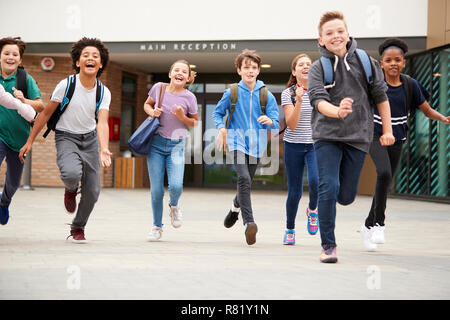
<point>342,123</point>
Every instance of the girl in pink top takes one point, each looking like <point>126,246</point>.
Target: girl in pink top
<point>177,111</point>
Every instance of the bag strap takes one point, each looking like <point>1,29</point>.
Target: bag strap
<point>328,72</point>
<point>21,81</point>
<point>162,91</point>
<point>408,86</point>
<point>233,97</point>
<point>364,60</point>
<point>263,99</point>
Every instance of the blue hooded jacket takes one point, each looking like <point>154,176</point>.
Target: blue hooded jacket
<point>244,132</point>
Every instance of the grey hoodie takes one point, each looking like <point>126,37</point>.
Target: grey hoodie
<point>357,128</point>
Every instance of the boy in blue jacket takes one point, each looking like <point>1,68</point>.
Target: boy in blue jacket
<point>246,136</point>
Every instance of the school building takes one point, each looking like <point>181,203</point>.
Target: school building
<point>145,38</point>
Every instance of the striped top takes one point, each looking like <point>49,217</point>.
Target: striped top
<point>303,132</point>
<point>399,110</point>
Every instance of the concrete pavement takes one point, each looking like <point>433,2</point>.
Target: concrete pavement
<point>204,261</point>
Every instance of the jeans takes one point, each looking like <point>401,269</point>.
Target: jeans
<point>339,166</point>
<point>165,155</point>
<point>245,167</point>
<point>386,159</point>
<point>14,169</point>
<point>296,156</point>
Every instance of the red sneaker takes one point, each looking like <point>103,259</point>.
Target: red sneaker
<point>77,235</point>
<point>70,203</point>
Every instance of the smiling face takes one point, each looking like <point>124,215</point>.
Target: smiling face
<point>179,74</point>
<point>10,59</point>
<point>334,36</point>
<point>90,61</point>
<point>249,71</point>
<point>392,62</point>
<point>300,72</point>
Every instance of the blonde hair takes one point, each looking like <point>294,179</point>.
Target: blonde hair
<point>292,79</point>
<point>329,16</point>
<point>192,74</point>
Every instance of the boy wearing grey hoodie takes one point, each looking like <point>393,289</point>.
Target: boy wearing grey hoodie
<point>342,122</point>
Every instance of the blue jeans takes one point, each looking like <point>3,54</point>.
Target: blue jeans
<point>165,155</point>
<point>14,169</point>
<point>296,156</point>
<point>339,167</point>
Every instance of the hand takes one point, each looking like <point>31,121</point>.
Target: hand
<point>105,158</point>
<point>387,139</point>
<point>299,93</point>
<point>178,112</point>
<point>19,95</point>
<point>265,120</point>
<point>446,120</point>
<point>24,151</point>
<point>157,112</point>
<point>345,108</point>
<point>221,140</point>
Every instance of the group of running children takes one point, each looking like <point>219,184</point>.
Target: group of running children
<point>337,109</point>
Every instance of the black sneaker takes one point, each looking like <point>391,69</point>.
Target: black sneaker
<point>250,232</point>
<point>231,219</point>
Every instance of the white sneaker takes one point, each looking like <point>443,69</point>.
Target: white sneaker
<point>367,238</point>
<point>155,234</point>
<point>175,216</point>
<point>378,234</point>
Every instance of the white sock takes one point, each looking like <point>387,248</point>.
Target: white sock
<point>234,209</point>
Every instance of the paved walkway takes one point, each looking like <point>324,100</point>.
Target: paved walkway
<point>203,260</point>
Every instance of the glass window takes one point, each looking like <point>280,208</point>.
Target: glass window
<point>215,87</point>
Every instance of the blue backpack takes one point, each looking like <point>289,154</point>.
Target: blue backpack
<point>328,70</point>
<point>70,89</point>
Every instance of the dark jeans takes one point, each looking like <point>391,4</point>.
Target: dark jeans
<point>14,169</point>
<point>386,160</point>
<point>245,167</point>
<point>339,167</point>
<point>296,156</point>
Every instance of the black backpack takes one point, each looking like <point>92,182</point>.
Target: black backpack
<point>70,89</point>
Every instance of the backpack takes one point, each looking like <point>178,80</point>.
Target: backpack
<point>234,98</point>
<point>21,81</point>
<point>328,70</point>
<point>70,89</point>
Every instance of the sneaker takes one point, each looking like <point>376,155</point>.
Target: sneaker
<point>231,219</point>
<point>313,221</point>
<point>250,232</point>
<point>77,235</point>
<point>378,234</point>
<point>175,216</point>
<point>70,203</point>
<point>4,214</point>
<point>328,255</point>
<point>367,238</point>
<point>155,234</point>
<point>289,237</point>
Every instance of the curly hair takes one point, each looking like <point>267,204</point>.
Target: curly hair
<point>78,47</point>
<point>392,42</point>
<point>17,41</point>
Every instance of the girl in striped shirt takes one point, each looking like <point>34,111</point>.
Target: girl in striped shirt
<point>299,148</point>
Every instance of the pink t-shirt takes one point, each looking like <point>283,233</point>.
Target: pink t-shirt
<point>169,126</point>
